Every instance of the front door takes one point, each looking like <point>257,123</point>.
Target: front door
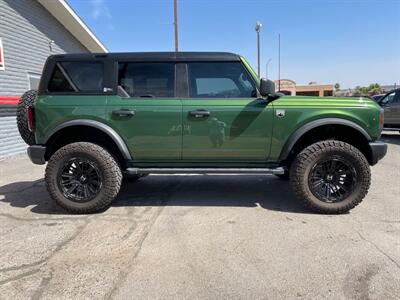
<point>223,121</point>
<point>148,118</point>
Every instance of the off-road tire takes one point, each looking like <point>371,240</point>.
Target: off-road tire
<point>107,165</point>
<point>304,162</point>
<point>26,100</point>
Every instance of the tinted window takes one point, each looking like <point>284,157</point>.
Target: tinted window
<point>220,80</point>
<point>147,79</point>
<point>397,97</point>
<point>389,98</point>
<point>80,77</point>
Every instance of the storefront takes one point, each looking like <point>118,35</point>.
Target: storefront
<point>289,87</point>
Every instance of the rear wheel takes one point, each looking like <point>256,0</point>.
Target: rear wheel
<point>330,177</point>
<point>83,177</point>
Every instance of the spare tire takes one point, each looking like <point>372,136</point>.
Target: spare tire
<point>27,100</point>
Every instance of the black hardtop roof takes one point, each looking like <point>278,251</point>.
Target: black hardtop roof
<point>152,56</point>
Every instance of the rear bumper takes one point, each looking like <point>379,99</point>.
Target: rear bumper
<point>378,151</point>
<point>36,154</point>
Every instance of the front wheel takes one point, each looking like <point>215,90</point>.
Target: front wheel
<point>330,177</point>
<point>83,177</point>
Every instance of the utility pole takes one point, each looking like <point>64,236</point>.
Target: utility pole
<point>176,25</point>
<point>266,68</point>
<point>279,62</point>
<point>258,29</point>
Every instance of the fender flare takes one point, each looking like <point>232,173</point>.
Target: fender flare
<point>94,124</point>
<point>295,136</point>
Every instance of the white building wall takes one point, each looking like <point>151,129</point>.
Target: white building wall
<point>26,30</point>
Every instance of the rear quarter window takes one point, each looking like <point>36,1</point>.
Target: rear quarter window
<point>77,77</point>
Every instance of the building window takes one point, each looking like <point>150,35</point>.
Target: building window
<point>308,93</point>
<point>1,56</point>
<point>328,93</point>
<point>33,80</point>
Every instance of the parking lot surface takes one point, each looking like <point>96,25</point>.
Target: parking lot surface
<point>199,237</point>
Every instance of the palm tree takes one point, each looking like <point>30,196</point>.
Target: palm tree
<point>374,89</point>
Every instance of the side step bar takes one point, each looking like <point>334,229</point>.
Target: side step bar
<point>391,129</point>
<point>133,171</point>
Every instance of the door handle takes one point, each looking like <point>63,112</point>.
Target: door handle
<point>200,113</point>
<point>123,113</point>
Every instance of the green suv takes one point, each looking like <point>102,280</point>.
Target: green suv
<point>99,117</point>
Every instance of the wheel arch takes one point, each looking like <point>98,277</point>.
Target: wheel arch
<point>87,130</point>
<point>360,134</point>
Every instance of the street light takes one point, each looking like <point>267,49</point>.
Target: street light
<point>266,68</point>
<point>279,62</point>
<point>258,29</point>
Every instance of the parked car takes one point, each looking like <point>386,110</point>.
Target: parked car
<point>377,97</point>
<point>97,118</point>
<point>391,104</point>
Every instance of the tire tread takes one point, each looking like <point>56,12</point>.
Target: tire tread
<point>27,100</point>
<point>305,157</point>
<point>111,179</point>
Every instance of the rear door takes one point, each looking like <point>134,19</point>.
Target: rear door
<point>148,118</point>
<point>223,120</point>
<point>391,105</point>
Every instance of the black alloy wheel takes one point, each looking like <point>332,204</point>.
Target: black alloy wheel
<point>80,179</point>
<point>332,180</point>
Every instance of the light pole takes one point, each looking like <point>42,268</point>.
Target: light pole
<point>258,29</point>
<point>279,62</point>
<point>176,24</point>
<point>266,68</point>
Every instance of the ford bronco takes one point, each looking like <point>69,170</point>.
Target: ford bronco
<point>98,117</point>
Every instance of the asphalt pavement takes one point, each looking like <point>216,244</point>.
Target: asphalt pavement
<point>199,237</point>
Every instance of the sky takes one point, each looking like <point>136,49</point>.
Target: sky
<point>350,42</point>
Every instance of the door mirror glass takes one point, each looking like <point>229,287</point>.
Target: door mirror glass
<point>267,87</point>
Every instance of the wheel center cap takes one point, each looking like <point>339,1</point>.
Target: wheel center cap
<point>329,178</point>
<point>82,179</point>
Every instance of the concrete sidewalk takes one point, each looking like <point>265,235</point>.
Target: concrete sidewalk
<point>199,237</point>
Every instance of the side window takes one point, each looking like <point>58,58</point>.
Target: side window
<point>397,97</point>
<point>79,77</point>
<point>220,80</point>
<point>388,99</point>
<point>147,79</point>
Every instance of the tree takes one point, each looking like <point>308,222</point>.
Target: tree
<point>337,87</point>
<point>372,89</point>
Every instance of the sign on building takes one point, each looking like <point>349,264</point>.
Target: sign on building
<point>1,55</point>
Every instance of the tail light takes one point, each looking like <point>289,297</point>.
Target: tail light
<point>381,119</point>
<point>31,118</point>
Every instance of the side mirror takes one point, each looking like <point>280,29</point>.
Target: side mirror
<point>267,87</point>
